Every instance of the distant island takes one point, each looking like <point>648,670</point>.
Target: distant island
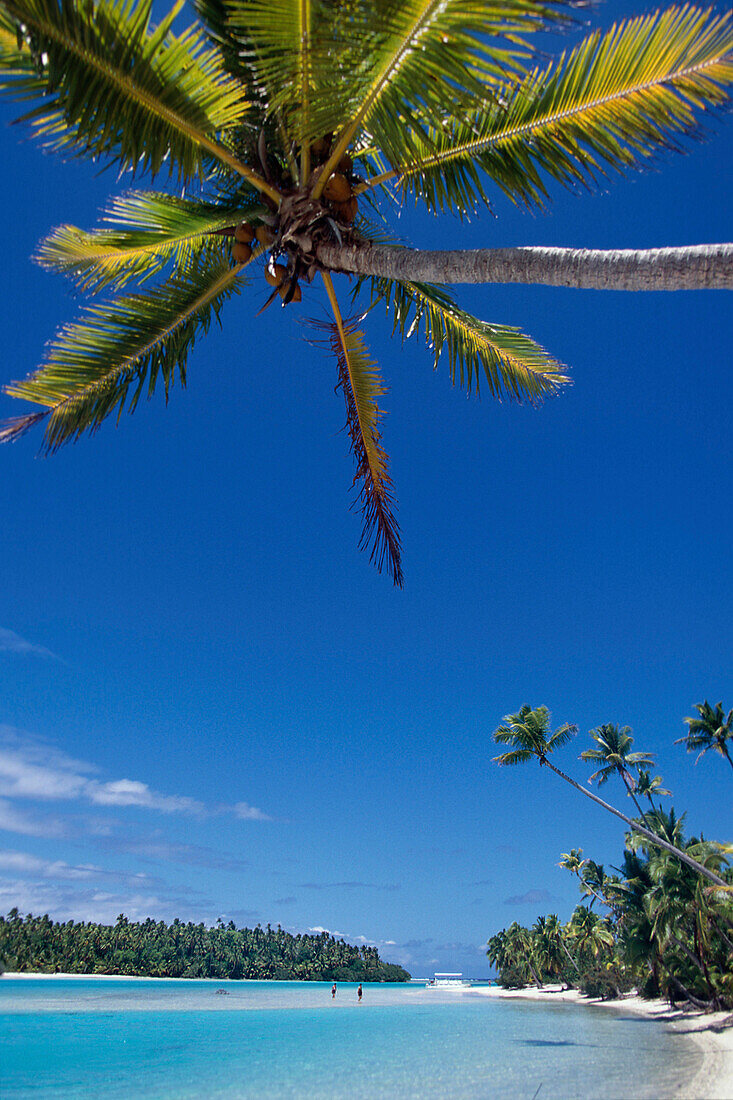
<point>154,949</point>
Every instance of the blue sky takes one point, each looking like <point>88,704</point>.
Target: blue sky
<point>213,705</point>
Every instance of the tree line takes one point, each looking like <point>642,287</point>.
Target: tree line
<point>155,949</point>
<point>665,925</point>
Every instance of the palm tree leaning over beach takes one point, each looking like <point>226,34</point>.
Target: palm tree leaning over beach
<point>712,729</point>
<point>528,732</point>
<point>277,126</point>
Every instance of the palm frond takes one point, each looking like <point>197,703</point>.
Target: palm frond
<point>512,364</point>
<point>17,61</point>
<point>151,230</point>
<point>93,364</point>
<point>612,103</point>
<point>116,87</point>
<point>426,53</point>
<point>518,756</point>
<point>362,386</point>
<point>305,56</point>
<point>562,735</point>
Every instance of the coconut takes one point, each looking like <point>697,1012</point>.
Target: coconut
<point>345,164</point>
<point>338,188</point>
<point>244,233</point>
<point>297,292</point>
<point>346,211</point>
<point>241,253</point>
<point>264,235</point>
<point>275,275</point>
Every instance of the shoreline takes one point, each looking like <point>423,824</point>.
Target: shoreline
<point>712,1032</point>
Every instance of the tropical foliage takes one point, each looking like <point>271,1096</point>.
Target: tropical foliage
<point>659,925</point>
<point>158,950</point>
<point>662,931</point>
<point>279,129</point>
<point>712,729</point>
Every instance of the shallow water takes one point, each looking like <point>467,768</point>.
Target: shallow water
<point>128,1038</point>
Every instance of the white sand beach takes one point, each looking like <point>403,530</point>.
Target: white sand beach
<point>712,1031</point>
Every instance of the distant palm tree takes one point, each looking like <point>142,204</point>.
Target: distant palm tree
<point>528,731</point>
<point>648,786</point>
<point>712,729</point>
<point>614,754</point>
<point>280,123</point>
<point>572,861</point>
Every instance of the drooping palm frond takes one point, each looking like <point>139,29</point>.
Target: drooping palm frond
<point>151,230</point>
<point>512,364</point>
<point>428,54</point>
<point>611,103</point>
<point>118,87</point>
<point>93,364</point>
<point>361,385</point>
<point>17,61</point>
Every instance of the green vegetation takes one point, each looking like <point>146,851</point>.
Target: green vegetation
<point>665,929</point>
<point>290,130</point>
<point>156,950</point>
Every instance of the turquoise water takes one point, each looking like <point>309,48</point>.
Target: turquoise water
<point>128,1038</point>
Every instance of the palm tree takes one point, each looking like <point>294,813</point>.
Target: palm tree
<point>712,729</point>
<point>614,755</point>
<point>648,786</point>
<point>276,125</point>
<point>528,731</point>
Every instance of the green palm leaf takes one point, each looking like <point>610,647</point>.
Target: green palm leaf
<point>92,365</point>
<point>613,102</point>
<point>302,54</point>
<point>512,364</point>
<point>119,88</point>
<point>362,387</point>
<point>152,230</point>
<point>425,54</point>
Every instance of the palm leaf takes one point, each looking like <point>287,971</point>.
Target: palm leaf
<point>518,756</point>
<point>118,88</point>
<point>152,229</point>
<point>512,364</point>
<point>361,386</point>
<point>426,53</point>
<point>611,103</point>
<point>92,365</point>
<point>297,54</point>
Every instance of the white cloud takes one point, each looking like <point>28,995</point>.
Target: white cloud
<point>13,820</point>
<point>31,768</point>
<point>10,642</point>
<point>250,813</point>
<point>22,863</point>
<point>131,792</point>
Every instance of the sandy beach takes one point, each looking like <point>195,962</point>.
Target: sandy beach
<point>712,1031</point>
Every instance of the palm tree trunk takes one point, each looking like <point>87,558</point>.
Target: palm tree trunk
<point>630,789</point>
<point>650,836</point>
<point>693,267</point>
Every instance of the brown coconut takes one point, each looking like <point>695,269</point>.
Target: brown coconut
<point>338,188</point>
<point>244,233</point>
<point>276,274</point>
<point>241,253</point>
<point>264,235</point>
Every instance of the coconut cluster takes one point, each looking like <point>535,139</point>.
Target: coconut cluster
<point>300,223</point>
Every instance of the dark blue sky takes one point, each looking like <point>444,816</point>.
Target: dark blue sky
<point>184,606</point>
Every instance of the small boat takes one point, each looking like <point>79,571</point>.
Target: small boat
<point>448,981</point>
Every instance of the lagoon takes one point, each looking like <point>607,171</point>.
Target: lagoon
<point>175,1039</point>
